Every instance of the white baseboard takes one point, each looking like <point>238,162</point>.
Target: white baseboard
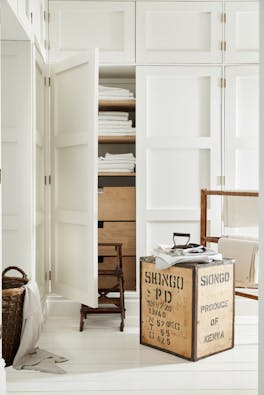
<point>58,306</point>
<point>2,377</point>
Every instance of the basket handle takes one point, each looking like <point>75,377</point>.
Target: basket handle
<point>24,276</point>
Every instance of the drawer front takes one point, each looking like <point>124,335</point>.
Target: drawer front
<point>129,270</point>
<point>117,204</point>
<point>118,232</point>
<point>77,26</point>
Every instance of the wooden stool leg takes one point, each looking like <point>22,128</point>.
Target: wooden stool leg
<point>82,315</point>
<point>122,307</point>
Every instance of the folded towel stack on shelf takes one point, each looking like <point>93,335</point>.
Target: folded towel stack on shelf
<point>113,93</point>
<point>115,123</point>
<point>123,163</point>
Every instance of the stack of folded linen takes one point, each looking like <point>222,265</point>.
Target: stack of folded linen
<point>113,123</point>
<point>111,93</point>
<point>123,163</point>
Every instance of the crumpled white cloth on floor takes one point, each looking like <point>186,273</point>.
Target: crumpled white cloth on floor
<point>42,361</point>
<point>28,356</point>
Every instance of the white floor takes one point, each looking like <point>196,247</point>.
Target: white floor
<point>103,361</point>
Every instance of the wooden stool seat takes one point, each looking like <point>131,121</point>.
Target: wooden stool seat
<point>115,304</point>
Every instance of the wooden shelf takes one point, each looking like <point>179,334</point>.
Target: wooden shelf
<point>117,139</point>
<point>117,105</point>
<point>121,174</point>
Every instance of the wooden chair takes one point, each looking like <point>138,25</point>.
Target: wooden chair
<point>204,237</point>
<point>115,304</point>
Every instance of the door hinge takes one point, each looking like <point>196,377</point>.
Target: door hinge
<point>220,180</point>
<point>31,17</point>
<point>46,16</point>
<point>223,45</point>
<point>49,81</point>
<point>223,17</point>
<point>49,180</point>
<point>223,83</point>
<point>49,274</point>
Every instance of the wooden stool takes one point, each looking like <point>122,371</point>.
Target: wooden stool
<point>118,302</point>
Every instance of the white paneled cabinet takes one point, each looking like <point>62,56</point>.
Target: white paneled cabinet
<point>40,142</point>
<point>241,127</point>
<point>179,118</point>
<point>242,32</point>
<point>74,178</point>
<point>179,32</point>
<point>80,25</point>
<point>17,158</point>
<point>24,13</point>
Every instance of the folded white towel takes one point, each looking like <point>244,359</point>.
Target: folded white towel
<point>245,253</point>
<point>113,117</point>
<point>240,211</point>
<point>119,156</point>
<point>114,114</point>
<point>103,88</point>
<point>117,132</point>
<point>113,97</point>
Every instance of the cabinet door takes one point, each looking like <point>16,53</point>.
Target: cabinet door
<point>74,178</point>
<point>37,9</point>
<point>79,25</point>
<point>241,127</point>
<point>24,14</point>
<point>178,150</point>
<point>179,32</point>
<point>40,135</point>
<point>17,156</point>
<point>242,32</point>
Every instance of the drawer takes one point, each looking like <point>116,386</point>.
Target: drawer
<point>118,232</point>
<point>117,204</point>
<point>129,269</point>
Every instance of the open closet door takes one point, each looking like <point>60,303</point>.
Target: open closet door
<point>74,87</point>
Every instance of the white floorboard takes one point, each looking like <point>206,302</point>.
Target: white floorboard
<point>103,361</point>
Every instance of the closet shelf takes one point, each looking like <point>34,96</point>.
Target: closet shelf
<point>121,174</point>
<point>117,139</point>
<point>117,105</point>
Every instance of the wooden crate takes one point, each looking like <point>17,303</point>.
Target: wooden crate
<point>188,309</point>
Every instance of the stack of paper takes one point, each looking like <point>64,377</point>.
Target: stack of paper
<point>115,123</point>
<point>123,163</point>
<point>112,93</point>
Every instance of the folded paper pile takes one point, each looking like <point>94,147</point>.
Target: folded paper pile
<point>167,256</point>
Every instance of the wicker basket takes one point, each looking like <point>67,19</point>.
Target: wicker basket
<point>13,294</point>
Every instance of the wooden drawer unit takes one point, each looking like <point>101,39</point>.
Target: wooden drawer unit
<point>117,204</point>
<point>129,270</point>
<point>117,232</point>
